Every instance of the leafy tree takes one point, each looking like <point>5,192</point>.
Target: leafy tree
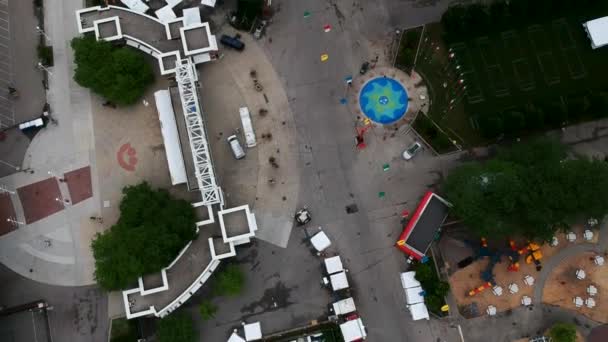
<point>207,310</point>
<point>528,189</point>
<point>151,231</point>
<point>177,327</point>
<point>119,74</point>
<point>229,282</point>
<point>435,289</point>
<point>563,332</point>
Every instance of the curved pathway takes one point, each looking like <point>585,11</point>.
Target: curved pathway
<point>566,253</point>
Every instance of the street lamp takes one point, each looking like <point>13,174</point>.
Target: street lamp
<point>15,222</point>
<point>17,168</point>
<point>41,31</point>
<point>42,67</point>
<point>64,201</point>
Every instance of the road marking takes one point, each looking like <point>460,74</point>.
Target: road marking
<point>460,332</point>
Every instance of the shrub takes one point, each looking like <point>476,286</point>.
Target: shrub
<point>45,55</point>
<point>563,332</point>
<point>207,310</point>
<point>229,282</point>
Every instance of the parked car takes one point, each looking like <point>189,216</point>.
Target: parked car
<point>232,42</point>
<point>411,151</point>
<point>235,146</point>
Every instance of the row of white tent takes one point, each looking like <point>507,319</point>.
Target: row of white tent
<point>413,296</point>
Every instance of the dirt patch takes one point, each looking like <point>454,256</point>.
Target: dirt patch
<point>562,286</point>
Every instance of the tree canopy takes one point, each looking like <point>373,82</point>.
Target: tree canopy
<point>152,229</point>
<point>529,189</point>
<point>177,327</point>
<point>119,74</point>
<point>229,281</point>
<point>563,332</point>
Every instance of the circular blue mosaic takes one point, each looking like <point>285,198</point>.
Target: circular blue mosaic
<point>383,100</point>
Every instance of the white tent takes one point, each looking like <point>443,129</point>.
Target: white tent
<point>513,288</point>
<point>210,3</point>
<point>419,311</point>
<point>408,279</point>
<point>168,129</point>
<point>344,306</point>
<point>554,241</point>
<point>598,260</point>
<point>529,280</point>
<point>591,290</point>
<point>191,16</point>
<point>413,295</point>
<point>235,338</point>
<point>353,330</point>
<point>165,14</point>
<point>497,291</point>
<point>588,235</point>
<point>136,5</point>
<point>253,331</point>
<point>525,301</point>
<point>491,310</point>
<point>320,241</point>
<point>571,237</point>
<point>597,30</point>
<point>333,265</point>
<point>578,301</point>
<point>338,281</point>
<point>590,302</point>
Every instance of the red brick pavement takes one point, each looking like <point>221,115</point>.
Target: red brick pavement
<point>6,211</point>
<point>79,184</point>
<point>38,199</point>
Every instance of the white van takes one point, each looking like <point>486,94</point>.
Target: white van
<point>247,127</point>
<point>235,146</point>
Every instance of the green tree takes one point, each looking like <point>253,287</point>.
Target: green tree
<point>229,282</point>
<point>207,310</point>
<point>528,189</point>
<point>177,327</point>
<point>119,74</point>
<point>152,229</point>
<point>563,332</point>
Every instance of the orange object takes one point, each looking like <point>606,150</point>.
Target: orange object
<point>514,267</point>
<point>480,289</point>
<point>484,242</point>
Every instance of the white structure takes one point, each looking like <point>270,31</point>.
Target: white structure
<point>571,237</point>
<point>491,310</point>
<point>235,337</point>
<point>253,331</point>
<point>578,301</point>
<point>598,260</point>
<point>591,290</point>
<point>320,241</point>
<point>344,306</point>
<point>588,235</point>
<point>136,5</point>
<point>554,242</point>
<point>529,280</point>
<point>526,301</point>
<point>413,296</point>
<point>513,288</point>
<point>590,303</point>
<point>580,274</point>
<point>333,264</point>
<point>247,127</point>
<point>168,128</point>
<point>210,3</point>
<point>497,291</point>
<point>338,281</point>
<point>353,330</point>
<point>597,31</point>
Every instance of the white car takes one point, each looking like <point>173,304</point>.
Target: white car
<point>412,150</point>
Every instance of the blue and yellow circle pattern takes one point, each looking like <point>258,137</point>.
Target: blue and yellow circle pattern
<point>383,100</point>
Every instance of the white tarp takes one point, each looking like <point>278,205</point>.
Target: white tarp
<point>338,281</point>
<point>419,311</point>
<point>165,14</point>
<point>344,306</point>
<point>247,127</point>
<point>168,128</point>
<point>408,279</point>
<point>333,265</point>
<point>136,5</point>
<point>413,295</point>
<point>597,30</point>
<point>235,338</point>
<point>353,330</point>
<point>320,241</point>
<point>191,16</point>
<point>210,3</point>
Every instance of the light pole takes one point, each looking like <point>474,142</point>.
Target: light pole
<point>15,222</point>
<point>64,201</point>
<point>41,31</point>
<point>17,168</point>
<point>42,67</point>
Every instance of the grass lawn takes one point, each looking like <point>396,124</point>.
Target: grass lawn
<point>533,78</point>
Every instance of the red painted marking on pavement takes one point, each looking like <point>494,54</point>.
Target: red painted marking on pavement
<point>127,157</point>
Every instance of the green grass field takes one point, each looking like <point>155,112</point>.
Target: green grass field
<point>533,78</point>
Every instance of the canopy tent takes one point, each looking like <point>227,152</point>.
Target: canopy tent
<point>491,310</point>
<point>168,128</point>
<point>353,330</point>
<point>191,16</point>
<point>408,280</point>
<point>235,338</point>
<point>253,331</point>
<point>320,241</point>
<point>338,281</point>
<point>333,264</point>
<point>344,306</point>
<point>597,31</point>
<point>419,311</point>
<point>413,295</point>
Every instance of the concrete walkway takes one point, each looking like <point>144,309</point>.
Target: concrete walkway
<point>65,260</point>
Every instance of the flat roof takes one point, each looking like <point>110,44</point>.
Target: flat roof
<point>598,31</point>
<point>422,227</point>
<point>184,140</point>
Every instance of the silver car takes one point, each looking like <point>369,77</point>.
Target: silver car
<point>411,151</point>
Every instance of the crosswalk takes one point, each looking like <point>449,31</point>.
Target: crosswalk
<point>7,117</point>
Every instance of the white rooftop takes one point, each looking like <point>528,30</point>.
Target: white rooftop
<point>344,306</point>
<point>413,295</point>
<point>191,16</point>
<point>408,279</point>
<point>353,330</point>
<point>333,265</point>
<point>419,311</point>
<point>253,331</point>
<point>320,241</point>
<point>235,338</point>
<point>338,281</point>
<point>168,129</point>
<point>597,30</point>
